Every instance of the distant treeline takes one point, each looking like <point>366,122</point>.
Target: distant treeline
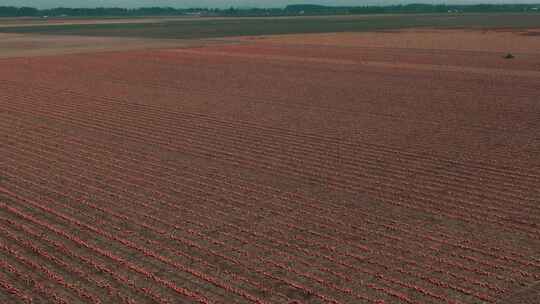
<point>291,10</point>
<point>414,9</point>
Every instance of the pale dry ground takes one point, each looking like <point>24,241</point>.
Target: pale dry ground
<point>14,22</point>
<point>31,45</point>
<point>24,22</point>
<point>521,41</point>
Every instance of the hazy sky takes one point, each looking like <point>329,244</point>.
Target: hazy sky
<point>227,3</point>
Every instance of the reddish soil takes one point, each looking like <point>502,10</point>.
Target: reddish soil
<point>269,172</point>
<point>494,40</point>
<point>528,295</point>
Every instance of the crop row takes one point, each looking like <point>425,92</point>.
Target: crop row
<point>188,243</point>
<point>428,203</point>
<point>144,226</point>
<point>499,195</point>
<point>106,70</point>
<point>211,131</point>
<point>39,287</point>
<point>267,189</point>
<point>312,139</point>
<point>179,89</point>
<point>94,264</point>
<point>44,224</point>
<point>243,253</point>
<point>50,274</point>
<point>42,206</point>
<point>435,282</point>
<point>154,164</point>
<point>108,289</point>
<point>147,183</point>
<point>8,288</point>
<point>346,157</point>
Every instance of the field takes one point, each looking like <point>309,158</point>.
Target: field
<point>217,27</point>
<point>396,166</point>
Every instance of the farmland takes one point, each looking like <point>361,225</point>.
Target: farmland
<point>218,27</point>
<point>397,166</point>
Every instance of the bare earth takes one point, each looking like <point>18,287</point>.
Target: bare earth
<point>519,41</point>
<point>528,295</point>
<point>395,167</point>
<point>24,45</point>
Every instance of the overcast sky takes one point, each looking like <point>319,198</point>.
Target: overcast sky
<point>227,3</point>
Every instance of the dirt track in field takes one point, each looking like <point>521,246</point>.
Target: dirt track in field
<point>24,22</point>
<point>31,45</point>
<point>315,169</point>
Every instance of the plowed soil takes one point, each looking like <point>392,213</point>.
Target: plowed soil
<point>388,167</point>
<point>528,295</point>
